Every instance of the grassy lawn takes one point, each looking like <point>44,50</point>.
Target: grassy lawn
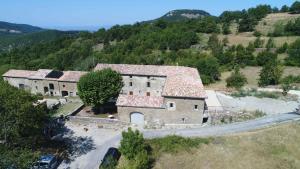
<point>276,147</point>
<point>252,75</point>
<point>67,108</point>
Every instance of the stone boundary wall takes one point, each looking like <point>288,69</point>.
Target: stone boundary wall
<point>100,122</point>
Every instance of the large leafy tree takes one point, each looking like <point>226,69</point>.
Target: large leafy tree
<point>96,88</point>
<point>20,121</point>
<point>295,8</point>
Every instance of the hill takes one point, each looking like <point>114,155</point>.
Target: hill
<point>183,14</point>
<point>18,35</point>
<point>211,44</point>
<point>14,41</point>
<point>7,28</point>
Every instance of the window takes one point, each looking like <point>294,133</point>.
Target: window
<point>148,93</point>
<point>64,85</point>
<point>130,77</point>
<point>130,83</point>
<point>148,84</point>
<point>196,107</point>
<point>51,86</point>
<point>36,87</point>
<point>148,77</point>
<point>21,86</point>
<point>171,106</point>
<point>131,93</point>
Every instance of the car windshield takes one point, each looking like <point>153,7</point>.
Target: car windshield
<point>42,164</point>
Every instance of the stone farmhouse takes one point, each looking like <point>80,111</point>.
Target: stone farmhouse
<point>45,81</point>
<point>152,95</point>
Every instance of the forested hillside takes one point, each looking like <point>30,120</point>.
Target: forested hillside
<point>210,44</point>
<point>19,35</point>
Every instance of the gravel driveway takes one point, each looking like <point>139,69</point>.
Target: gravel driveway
<point>266,105</point>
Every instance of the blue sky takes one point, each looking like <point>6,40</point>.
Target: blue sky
<point>89,14</point>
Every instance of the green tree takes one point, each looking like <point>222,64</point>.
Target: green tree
<point>21,122</point>
<point>237,80</point>
<point>270,44</point>
<point>284,8</point>
<point>270,73</point>
<point>295,8</point>
<point>209,69</point>
<point>226,28</point>
<point>258,43</point>
<point>132,143</point>
<point>264,57</point>
<point>293,58</point>
<point>283,48</point>
<point>96,88</point>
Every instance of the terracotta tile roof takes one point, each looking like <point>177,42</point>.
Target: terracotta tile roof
<point>140,101</point>
<point>68,76</point>
<point>40,74</point>
<point>71,76</point>
<point>181,81</point>
<point>18,73</point>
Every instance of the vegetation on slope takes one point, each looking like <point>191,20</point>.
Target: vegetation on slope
<point>268,148</point>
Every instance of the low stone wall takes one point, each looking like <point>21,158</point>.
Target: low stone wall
<point>223,117</point>
<point>100,122</point>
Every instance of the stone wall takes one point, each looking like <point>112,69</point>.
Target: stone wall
<point>100,122</point>
<point>184,113</point>
<point>139,85</point>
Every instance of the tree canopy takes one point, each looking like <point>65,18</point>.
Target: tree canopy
<point>96,88</point>
<point>19,118</point>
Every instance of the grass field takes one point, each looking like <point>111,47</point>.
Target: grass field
<point>276,147</point>
<point>252,75</point>
<point>246,38</point>
<point>266,25</point>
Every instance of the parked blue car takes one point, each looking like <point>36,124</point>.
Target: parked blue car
<point>46,162</point>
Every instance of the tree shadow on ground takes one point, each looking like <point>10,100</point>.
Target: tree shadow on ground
<point>74,146</point>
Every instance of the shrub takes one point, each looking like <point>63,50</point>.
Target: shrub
<point>141,161</point>
<point>173,144</point>
<point>264,57</point>
<point>256,33</point>
<point>291,79</point>
<point>135,150</point>
<point>236,80</point>
<point>132,143</point>
<point>270,74</point>
<point>283,48</point>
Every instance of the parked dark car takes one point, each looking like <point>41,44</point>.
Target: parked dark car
<point>46,162</point>
<point>111,158</point>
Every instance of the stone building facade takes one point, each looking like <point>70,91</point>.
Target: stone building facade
<point>151,95</point>
<point>158,95</point>
<point>45,81</point>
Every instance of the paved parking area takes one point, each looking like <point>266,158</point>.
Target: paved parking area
<point>88,145</point>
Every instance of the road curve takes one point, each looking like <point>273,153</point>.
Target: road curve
<point>207,131</point>
<point>227,128</point>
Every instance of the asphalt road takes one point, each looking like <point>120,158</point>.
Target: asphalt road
<point>199,132</point>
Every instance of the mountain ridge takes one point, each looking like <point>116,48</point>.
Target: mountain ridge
<point>183,14</point>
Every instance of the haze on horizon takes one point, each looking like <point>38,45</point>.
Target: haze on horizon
<point>93,14</point>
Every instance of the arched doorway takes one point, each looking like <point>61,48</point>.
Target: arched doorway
<point>137,118</point>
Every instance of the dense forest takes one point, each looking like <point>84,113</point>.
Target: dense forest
<point>162,42</point>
